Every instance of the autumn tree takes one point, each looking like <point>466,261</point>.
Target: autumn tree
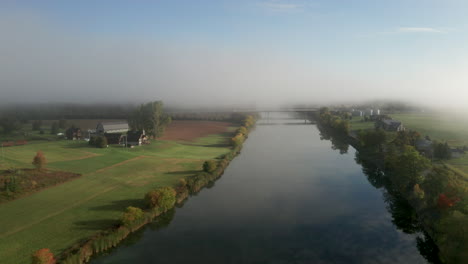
<point>209,166</point>
<point>43,256</point>
<point>39,160</point>
<point>131,215</point>
<point>163,198</point>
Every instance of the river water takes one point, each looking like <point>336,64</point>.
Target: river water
<point>287,198</point>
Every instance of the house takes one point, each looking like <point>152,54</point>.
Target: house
<point>424,146</point>
<point>457,152</point>
<point>356,112</point>
<point>112,127</point>
<point>136,138</point>
<point>73,133</point>
<point>390,125</point>
<point>113,138</point>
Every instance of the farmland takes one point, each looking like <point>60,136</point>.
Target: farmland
<point>442,127</point>
<point>112,179</point>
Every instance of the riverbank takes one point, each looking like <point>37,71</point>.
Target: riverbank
<point>83,251</point>
<point>112,179</point>
<point>436,193</point>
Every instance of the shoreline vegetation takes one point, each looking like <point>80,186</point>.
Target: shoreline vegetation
<point>436,194</point>
<point>158,201</point>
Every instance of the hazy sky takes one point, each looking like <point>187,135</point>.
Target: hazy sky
<point>254,52</point>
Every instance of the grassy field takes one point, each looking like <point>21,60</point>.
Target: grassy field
<point>442,127</point>
<point>356,124</point>
<point>113,178</point>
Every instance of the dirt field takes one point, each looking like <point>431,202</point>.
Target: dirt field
<point>181,130</point>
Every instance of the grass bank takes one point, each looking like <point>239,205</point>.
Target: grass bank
<point>112,179</point>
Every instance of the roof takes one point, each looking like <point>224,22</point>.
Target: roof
<point>391,122</point>
<point>423,144</point>
<point>112,126</point>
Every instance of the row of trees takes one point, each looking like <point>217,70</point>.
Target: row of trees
<point>336,123</point>
<point>151,118</point>
<point>242,132</point>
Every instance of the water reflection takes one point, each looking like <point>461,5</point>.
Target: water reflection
<point>403,215</point>
<point>288,198</point>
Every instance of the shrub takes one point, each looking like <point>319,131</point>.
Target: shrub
<point>242,130</point>
<point>92,141</point>
<point>131,215</point>
<point>100,142</point>
<point>209,166</point>
<point>43,256</point>
<point>39,160</point>
<point>237,140</point>
<point>163,198</point>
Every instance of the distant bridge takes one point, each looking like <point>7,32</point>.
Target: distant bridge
<point>278,110</point>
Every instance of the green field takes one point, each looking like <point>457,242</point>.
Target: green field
<point>113,178</point>
<point>356,123</point>
<point>443,127</point>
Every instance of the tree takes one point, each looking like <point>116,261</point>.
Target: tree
<point>9,125</point>
<point>237,140</point>
<point>209,166</point>
<point>54,128</point>
<point>163,198</point>
<point>373,138</point>
<point>36,125</point>
<point>39,160</point>
<point>69,133</point>
<point>242,130</point>
<point>407,167</point>
<point>43,256</point>
<point>62,123</point>
<point>100,142</point>
<point>131,215</point>
<point>151,118</point>
<point>442,151</point>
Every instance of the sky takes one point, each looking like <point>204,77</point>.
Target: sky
<point>256,53</point>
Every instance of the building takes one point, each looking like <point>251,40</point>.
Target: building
<point>390,125</point>
<point>424,146</point>
<point>112,131</point>
<point>112,127</point>
<point>136,138</point>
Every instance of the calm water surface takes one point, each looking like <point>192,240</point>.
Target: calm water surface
<point>288,198</point>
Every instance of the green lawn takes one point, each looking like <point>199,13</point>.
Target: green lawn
<point>113,179</point>
<point>443,127</point>
<point>356,123</point>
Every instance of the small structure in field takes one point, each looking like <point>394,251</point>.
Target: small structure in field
<point>136,138</point>
<point>390,125</point>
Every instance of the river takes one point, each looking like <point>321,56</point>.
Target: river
<point>287,198</point>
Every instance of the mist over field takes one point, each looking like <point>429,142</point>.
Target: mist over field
<point>51,58</point>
